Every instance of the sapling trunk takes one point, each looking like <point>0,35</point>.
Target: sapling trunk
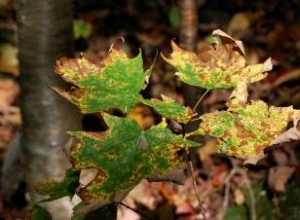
<point>188,39</point>
<point>44,34</point>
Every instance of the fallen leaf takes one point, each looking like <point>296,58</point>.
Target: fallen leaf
<point>142,115</point>
<point>278,177</point>
<point>207,149</point>
<point>241,21</point>
<point>8,54</point>
<point>9,90</point>
<point>239,197</point>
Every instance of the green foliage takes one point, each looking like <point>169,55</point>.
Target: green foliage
<point>40,213</point>
<point>108,212</point>
<point>263,206</point>
<point>168,108</point>
<point>219,67</point>
<point>236,213</point>
<point>247,130</point>
<point>115,83</point>
<point>57,189</point>
<point>125,154</point>
<point>124,158</point>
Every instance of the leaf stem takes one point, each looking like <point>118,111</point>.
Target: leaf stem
<point>135,210</point>
<point>202,211</point>
<point>187,150</point>
<point>200,99</point>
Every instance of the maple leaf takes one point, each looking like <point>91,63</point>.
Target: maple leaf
<point>115,83</point>
<point>168,108</point>
<point>247,130</point>
<point>219,66</point>
<point>57,189</point>
<point>125,156</point>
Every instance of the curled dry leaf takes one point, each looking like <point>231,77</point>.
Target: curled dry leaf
<point>291,134</point>
<point>87,176</point>
<point>227,37</point>
<point>219,66</point>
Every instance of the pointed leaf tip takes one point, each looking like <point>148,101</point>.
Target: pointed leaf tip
<point>267,65</point>
<point>105,86</point>
<point>220,67</point>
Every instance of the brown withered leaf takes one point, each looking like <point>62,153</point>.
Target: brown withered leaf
<point>278,177</point>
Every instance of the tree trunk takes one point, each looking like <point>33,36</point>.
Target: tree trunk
<point>188,39</point>
<point>44,34</point>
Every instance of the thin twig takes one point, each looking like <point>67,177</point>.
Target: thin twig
<point>251,194</point>
<point>236,170</point>
<point>227,188</point>
<point>200,99</point>
<point>135,210</point>
<point>202,211</point>
<point>195,119</point>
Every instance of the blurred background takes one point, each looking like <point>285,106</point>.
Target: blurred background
<point>228,189</point>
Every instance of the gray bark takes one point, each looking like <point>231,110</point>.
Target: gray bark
<point>44,34</point>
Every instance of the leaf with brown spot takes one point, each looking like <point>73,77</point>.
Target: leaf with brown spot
<point>247,130</point>
<point>218,67</point>
<point>115,83</point>
<point>125,156</point>
<point>57,189</point>
<point>168,108</point>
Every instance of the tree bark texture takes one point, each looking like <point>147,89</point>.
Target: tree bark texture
<point>188,24</point>
<point>44,34</point>
<point>188,34</point>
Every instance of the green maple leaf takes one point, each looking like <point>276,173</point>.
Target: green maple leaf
<point>125,156</point>
<point>40,213</point>
<point>168,108</point>
<point>247,130</point>
<point>217,66</point>
<point>57,189</point>
<point>115,83</point>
